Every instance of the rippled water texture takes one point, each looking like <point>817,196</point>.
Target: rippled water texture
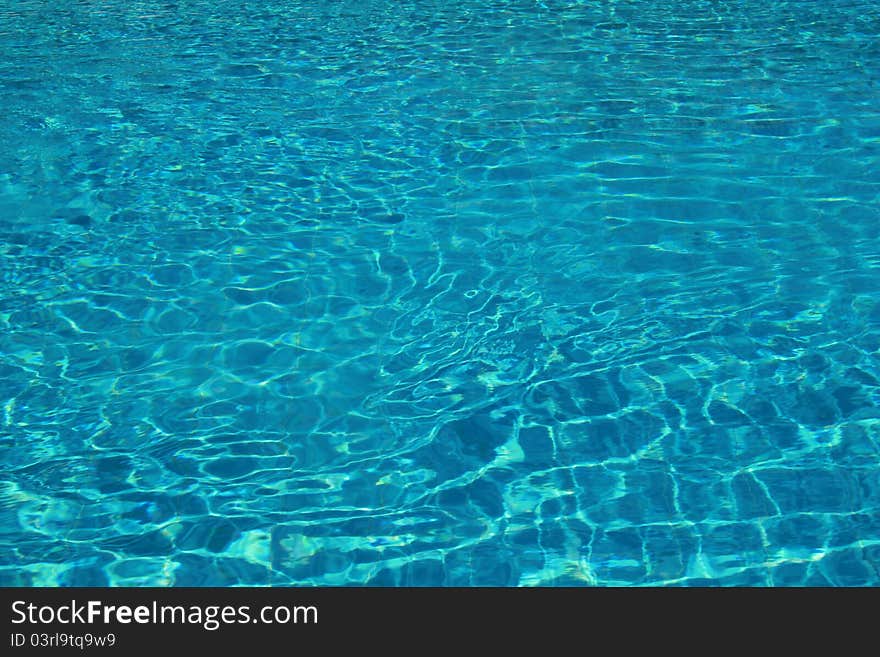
<point>449,293</point>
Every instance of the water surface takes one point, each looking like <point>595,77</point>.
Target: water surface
<point>447,293</point>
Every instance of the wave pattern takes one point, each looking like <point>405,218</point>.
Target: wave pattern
<point>471,293</point>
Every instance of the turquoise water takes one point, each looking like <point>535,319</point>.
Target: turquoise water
<point>447,293</point>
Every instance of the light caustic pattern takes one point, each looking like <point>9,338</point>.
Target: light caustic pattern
<point>450,293</point>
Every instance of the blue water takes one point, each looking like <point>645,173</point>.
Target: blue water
<point>439,292</point>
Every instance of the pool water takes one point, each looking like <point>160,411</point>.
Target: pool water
<point>440,293</point>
